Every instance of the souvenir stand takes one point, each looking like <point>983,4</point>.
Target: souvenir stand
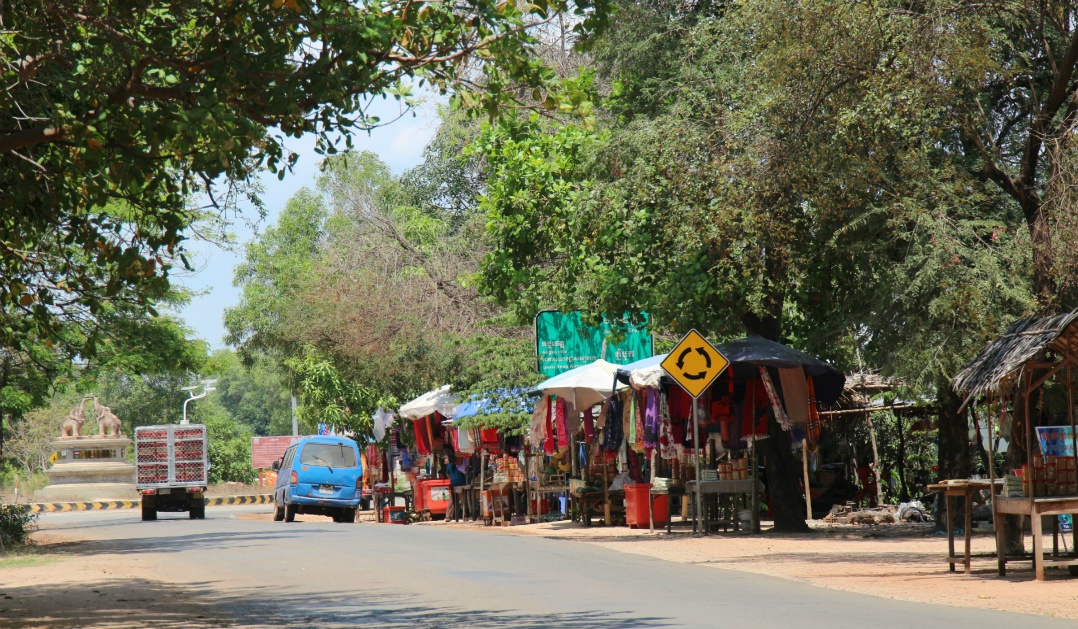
<point>563,446</point>
<point>496,483</point>
<point>431,488</point>
<point>1007,375</point>
<point>764,379</point>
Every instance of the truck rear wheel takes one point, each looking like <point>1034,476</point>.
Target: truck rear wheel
<point>149,508</point>
<point>290,513</point>
<point>197,507</point>
<point>278,513</point>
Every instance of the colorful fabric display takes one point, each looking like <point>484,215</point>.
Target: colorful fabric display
<point>589,426</point>
<point>537,429</point>
<point>667,443</point>
<point>754,414</point>
<point>612,431</point>
<point>651,418</point>
<point>795,394</point>
<point>423,438</point>
<point>812,427</point>
<point>561,410</point>
<point>548,441</point>
<point>773,399</point>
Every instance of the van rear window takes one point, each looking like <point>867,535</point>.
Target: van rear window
<point>328,455</point>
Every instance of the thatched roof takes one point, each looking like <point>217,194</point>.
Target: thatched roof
<point>1018,345</point>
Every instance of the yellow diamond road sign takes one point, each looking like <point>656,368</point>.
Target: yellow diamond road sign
<point>694,363</point>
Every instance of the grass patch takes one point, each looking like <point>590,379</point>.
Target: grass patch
<point>29,556</point>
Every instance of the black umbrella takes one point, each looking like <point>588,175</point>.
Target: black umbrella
<point>755,351</point>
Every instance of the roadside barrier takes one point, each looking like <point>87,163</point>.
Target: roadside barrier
<point>101,505</point>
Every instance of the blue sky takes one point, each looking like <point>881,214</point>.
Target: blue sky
<point>400,145</point>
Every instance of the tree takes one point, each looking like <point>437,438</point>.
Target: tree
<point>256,396</point>
<point>115,116</point>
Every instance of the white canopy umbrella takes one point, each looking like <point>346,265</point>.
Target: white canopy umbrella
<point>440,400</point>
<point>585,386</point>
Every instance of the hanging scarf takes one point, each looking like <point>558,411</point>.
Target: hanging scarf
<point>548,442</point>
<point>589,426</point>
<point>812,429</point>
<point>667,449</point>
<point>638,420</point>
<point>651,418</point>
<point>612,432</point>
<point>628,419</point>
<point>776,405</point>
<point>562,426</point>
<point>537,430</point>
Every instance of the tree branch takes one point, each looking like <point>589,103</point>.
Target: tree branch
<point>29,137</point>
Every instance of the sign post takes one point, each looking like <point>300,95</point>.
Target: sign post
<point>694,364</point>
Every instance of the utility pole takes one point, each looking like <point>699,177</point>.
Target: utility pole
<point>295,419</point>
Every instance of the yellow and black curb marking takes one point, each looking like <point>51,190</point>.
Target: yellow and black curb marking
<point>100,505</point>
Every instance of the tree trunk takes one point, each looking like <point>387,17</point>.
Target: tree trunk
<point>1040,235</point>
<point>904,490</point>
<point>1014,542</point>
<point>954,453</point>
<point>787,500</point>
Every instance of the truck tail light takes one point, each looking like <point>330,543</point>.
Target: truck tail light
<point>359,483</point>
<point>293,479</point>
<point>149,492</point>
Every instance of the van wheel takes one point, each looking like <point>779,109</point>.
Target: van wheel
<point>149,509</point>
<point>345,515</point>
<point>278,513</point>
<point>290,513</point>
<point>365,504</point>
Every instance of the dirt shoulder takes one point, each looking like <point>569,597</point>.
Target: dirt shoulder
<point>903,562</point>
<point>44,586</point>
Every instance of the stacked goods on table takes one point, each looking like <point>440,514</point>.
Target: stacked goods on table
<point>738,469</point>
<point>507,470</point>
<point>1012,487</point>
<point>1050,476</point>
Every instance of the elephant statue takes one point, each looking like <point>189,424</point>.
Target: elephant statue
<point>72,424</point>
<point>107,422</point>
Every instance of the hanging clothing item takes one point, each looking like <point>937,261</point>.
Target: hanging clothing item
<point>651,418</point>
<point>667,449</point>
<point>561,410</point>
<point>638,420</point>
<point>463,443</point>
<point>812,427</point>
<point>589,426</point>
<point>612,432</point>
<point>795,394</point>
<point>548,442</point>
<point>680,414</point>
<point>423,438</point>
<point>628,412</point>
<point>537,429</point>
<point>604,409</point>
<point>754,410</point>
<point>773,398</point>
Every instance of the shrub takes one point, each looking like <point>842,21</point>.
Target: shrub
<point>15,525</point>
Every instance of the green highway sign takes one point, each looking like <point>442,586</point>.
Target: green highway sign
<point>563,342</point>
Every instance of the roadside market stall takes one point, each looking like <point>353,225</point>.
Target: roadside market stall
<point>430,473</point>
<point>1024,378</point>
<point>764,378</point>
<point>563,460</point>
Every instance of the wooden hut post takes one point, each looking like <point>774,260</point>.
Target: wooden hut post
<point>875,457</point>
<point>805,461</point>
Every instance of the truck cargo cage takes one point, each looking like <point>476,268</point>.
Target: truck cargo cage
<point>171,455</point>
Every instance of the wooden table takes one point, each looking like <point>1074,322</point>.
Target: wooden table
<point>719,487</point>
<point>961,488</point>
<point>585,503</point>
<point>1036,509</point>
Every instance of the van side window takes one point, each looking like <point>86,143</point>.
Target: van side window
<point>288,456</point>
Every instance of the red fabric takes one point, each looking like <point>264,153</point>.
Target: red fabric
<point>680,405</point>
<point>560,412</point>
<point>812,429</point>
<point>589,426</point>
<point>548,442</point>
<point>755,407</point>
<point>422,435</point>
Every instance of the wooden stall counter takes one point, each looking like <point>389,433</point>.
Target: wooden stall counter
<point>1036,509</point>
<point>961,488</point>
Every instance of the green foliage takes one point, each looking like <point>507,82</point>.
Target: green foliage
<point>229,445</point>
<point>331,398</point>
<point>255,396</point>
<point>16,523</point>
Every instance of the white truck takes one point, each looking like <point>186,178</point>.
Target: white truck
<point>171,469</point>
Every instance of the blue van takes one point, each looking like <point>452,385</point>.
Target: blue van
<point>320,475</point>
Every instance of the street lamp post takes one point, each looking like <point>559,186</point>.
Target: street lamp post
<point>207,388</point>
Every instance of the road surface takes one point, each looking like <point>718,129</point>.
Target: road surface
<point>253,573</point>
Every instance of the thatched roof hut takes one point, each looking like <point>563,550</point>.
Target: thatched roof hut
<point>1024,341</point>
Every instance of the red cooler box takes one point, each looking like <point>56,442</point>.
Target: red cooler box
<point>436,496</point>
<point>637,498</point>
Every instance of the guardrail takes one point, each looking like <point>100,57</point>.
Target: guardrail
<point>101,505</point>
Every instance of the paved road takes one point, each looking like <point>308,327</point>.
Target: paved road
<point>320,574</point>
